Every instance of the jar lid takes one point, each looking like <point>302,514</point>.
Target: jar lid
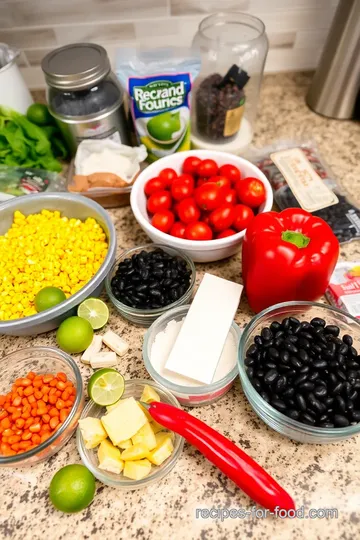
<point>76,66</point>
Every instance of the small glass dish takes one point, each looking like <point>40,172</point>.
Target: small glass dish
<point>133,388</point>
<point>190,396</point>
<point>42,360</point>
<point>145,317</point>
<point>272,417</point>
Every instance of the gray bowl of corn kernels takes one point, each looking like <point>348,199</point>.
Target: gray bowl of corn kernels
<point>69,206</point>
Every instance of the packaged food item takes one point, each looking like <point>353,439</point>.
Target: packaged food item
<point>220,105</point>
<point>344,287</point>
<point>159,82</point>
<point>17,181</point>
<point>295,170</point>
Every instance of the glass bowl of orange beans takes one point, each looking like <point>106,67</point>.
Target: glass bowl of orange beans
<point>41,400</point>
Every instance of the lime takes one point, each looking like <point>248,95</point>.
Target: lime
<point>38,113</point>
<point>48,297</point>
<point>106,386</point>
<point>95,311</point>
<point>162,126</point>
<point>74,335</point>
<point>72,488</point>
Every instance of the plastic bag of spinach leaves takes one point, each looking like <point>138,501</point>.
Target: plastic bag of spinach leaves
<point>17,181</point>
<point>23,143</point>
<point>343,217</point>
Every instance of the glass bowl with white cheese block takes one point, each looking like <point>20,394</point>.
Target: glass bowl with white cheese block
<point>158,342</point>
<point>102,458</point>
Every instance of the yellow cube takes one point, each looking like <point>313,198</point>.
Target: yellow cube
<point>138,451</point>
<point>92,432</point>
<point>125,444</point>
<point>109,458</point>
<point>124,421</point>
<point>136,470</point>
<point>156,427</point>
<point>149,394</point>
<point>161,452</point>
<point>145,436</point>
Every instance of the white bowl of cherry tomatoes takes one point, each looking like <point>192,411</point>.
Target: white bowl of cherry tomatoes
<point>200,202</point>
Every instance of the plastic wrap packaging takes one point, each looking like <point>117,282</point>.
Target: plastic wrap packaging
<point>17,181</point>
<point>294,169</point>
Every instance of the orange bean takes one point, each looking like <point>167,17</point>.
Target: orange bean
<point>28,422</point>
<point>58,426</point>
<point>31,399</point>
<point>5,422</point>
<point>58,393</point>
<point>2,400</point>
<point>61,376</point>
<point>53,383</point>
<point>3,447</point>
<point>37,383</point>
<point>36,439</point>
<point>65,395</point>
<point>45,389</point>
<point>28,391</point>
<point>26,408</point>
<point>44,437</point>
<point>46,418</point>
<point>46,398</point>
<point>53,399</point>
<point>22,382</point>
<point>40,404</point>
<point>41,412</point>
<point>69,402</point>
<point>16,415</point>
<point>19,423</point>
<point>68,384</point>
<point>26,436</point>
<point>35,428</point>
<point>14,439</point>
<point>8,432</point>
<point>4,439</point>
<point>54,422</point>
<point>63,414</point>
<point>61,386</point>
<point>38,394</point>
<point>53,412</point>
<point>48,378</point>
<point>3,414</point>
<point>15,446</point>
<point>73,391</point>
<point>25,401</point>
<point>60,404</point>
<point>16,401</point>
<point>33,412</point>
<point>25,444</point>
<point>45,428</point>
<point>20,391</point>
<point>25,415</point>
<point>52,391</point>
<point>31,375</point>
<point>10,409</point>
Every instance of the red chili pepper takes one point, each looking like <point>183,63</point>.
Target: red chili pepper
<point>287,256</point>
<point>225,455</point>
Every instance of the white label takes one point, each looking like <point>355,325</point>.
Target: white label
<point>309,189</point>
<point>352,304</point>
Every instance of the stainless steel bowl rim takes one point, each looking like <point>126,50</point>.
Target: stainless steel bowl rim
<point>294,424</point>
<point>74,299</point>
<point>79,393</point>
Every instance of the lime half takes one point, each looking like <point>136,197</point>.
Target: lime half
<point>95,311</point>
<point>106,386</point>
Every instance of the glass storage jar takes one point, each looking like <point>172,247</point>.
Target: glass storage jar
<point>233,49</point>
<point>83,94</point>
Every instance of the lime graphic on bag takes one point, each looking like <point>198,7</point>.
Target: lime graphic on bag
<point>159,83</point>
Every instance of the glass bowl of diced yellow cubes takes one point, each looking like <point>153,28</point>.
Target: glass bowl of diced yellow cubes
<point>122,445</point>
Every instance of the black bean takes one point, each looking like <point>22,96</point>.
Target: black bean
<point>280,383</point>
<point>303,356</point>
<point>353,395</point>
<point>349,405</point>
<point>266,334</point>
<point>306,335</point>
<point>252,350</point>
<point>278,342</point>
<point>323,418</point>
<point>271,376</point>
<point>353,352</point>
<point>337,389</point>
<point>316,321</point>
<point>256,384</point>
<point>270,365</point>
<point>274,353</point>
<point>340,403</point>
<point>326,425</point>
<point>275,326</point>
<point>295,362</point>
<point>301,401</point>
<point>268,344</point>
<point>341,359</point>
<point>285,357</point>
<point>279,334</point>
<point>293,413</point>
<point>307,386</point>
<point>333,378</point>
<point>343,349</point>
<point>330,350</point>
<point>279,404</point>
<point>319,364</point>
<point>313,376</point>
<point>289,392</point>
<point>291,347</point>
<point>348,340</point>
<point>285,324</point>
<point>320,391</point>
<point>300,379</point>
<point>250,372</point>
<point>341,374</point>
<point>260,373</point>
<point>258,340</point>
<point>283,368</point>
<point>329,401</point>
<point>340,420</point>
<point>292,339</point>
<point>249,361</point>
<point>304,369</point>
<point>355,415</point>
<point>265,396</point>
<point>307,418</point>
<point>351,374</point>
<point>332,329</point>
<point>303,343</point>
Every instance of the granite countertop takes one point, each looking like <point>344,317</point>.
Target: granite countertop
<point>317,476</point>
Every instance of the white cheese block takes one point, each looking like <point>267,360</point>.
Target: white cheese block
<point>103,359</point>
<point>115,342</point>
<point>93,348</point>
<point>200,342</point>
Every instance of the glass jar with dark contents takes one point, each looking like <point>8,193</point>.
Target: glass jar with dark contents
<point>233,48</point>
<point>84,96</point>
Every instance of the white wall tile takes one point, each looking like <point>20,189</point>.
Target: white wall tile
<point>95,33</point>
<point>193,7</point>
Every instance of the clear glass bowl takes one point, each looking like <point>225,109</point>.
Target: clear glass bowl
<point>133,388</point>
<point>273,418</point>
<point>145,317</point>
<point>42,360</point>
<point>189,396</point>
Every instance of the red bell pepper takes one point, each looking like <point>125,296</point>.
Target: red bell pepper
<point>287,256</point>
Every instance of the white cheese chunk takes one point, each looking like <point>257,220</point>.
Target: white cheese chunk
<point>115,342</point>
<point>103,359</point>
<point>93,348</point>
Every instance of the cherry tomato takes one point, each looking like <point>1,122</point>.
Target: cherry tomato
<point>209,196</point>
<point>190,164</point>
<point>168,175</point>
<point>222,182</point>
<point>178,229</point>
<point>188,211</point>
<point>243,216</point>
<point>222,218</point>
<point>161,200</point>
<point>207,168</point>
<point>153,185</point>
<point>198,231</point>
<point>187,178</point>
<point>180,189</point>
<point>231,172</point>
<point>163,220</point>
<point>226,233</point>
<point>230,196</point>
<point>201,181</point>
<point>251,191</point>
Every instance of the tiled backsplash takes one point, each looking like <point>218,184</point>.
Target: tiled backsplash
<point>297,29</point>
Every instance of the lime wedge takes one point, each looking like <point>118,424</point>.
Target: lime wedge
<point>95,311</point>
<point>106,386</point>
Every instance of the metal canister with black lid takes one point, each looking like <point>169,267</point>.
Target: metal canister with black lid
<point>83,94</point>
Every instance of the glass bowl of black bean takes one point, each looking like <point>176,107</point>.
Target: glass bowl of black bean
<point>299,365</point>
<point>148,280</point>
